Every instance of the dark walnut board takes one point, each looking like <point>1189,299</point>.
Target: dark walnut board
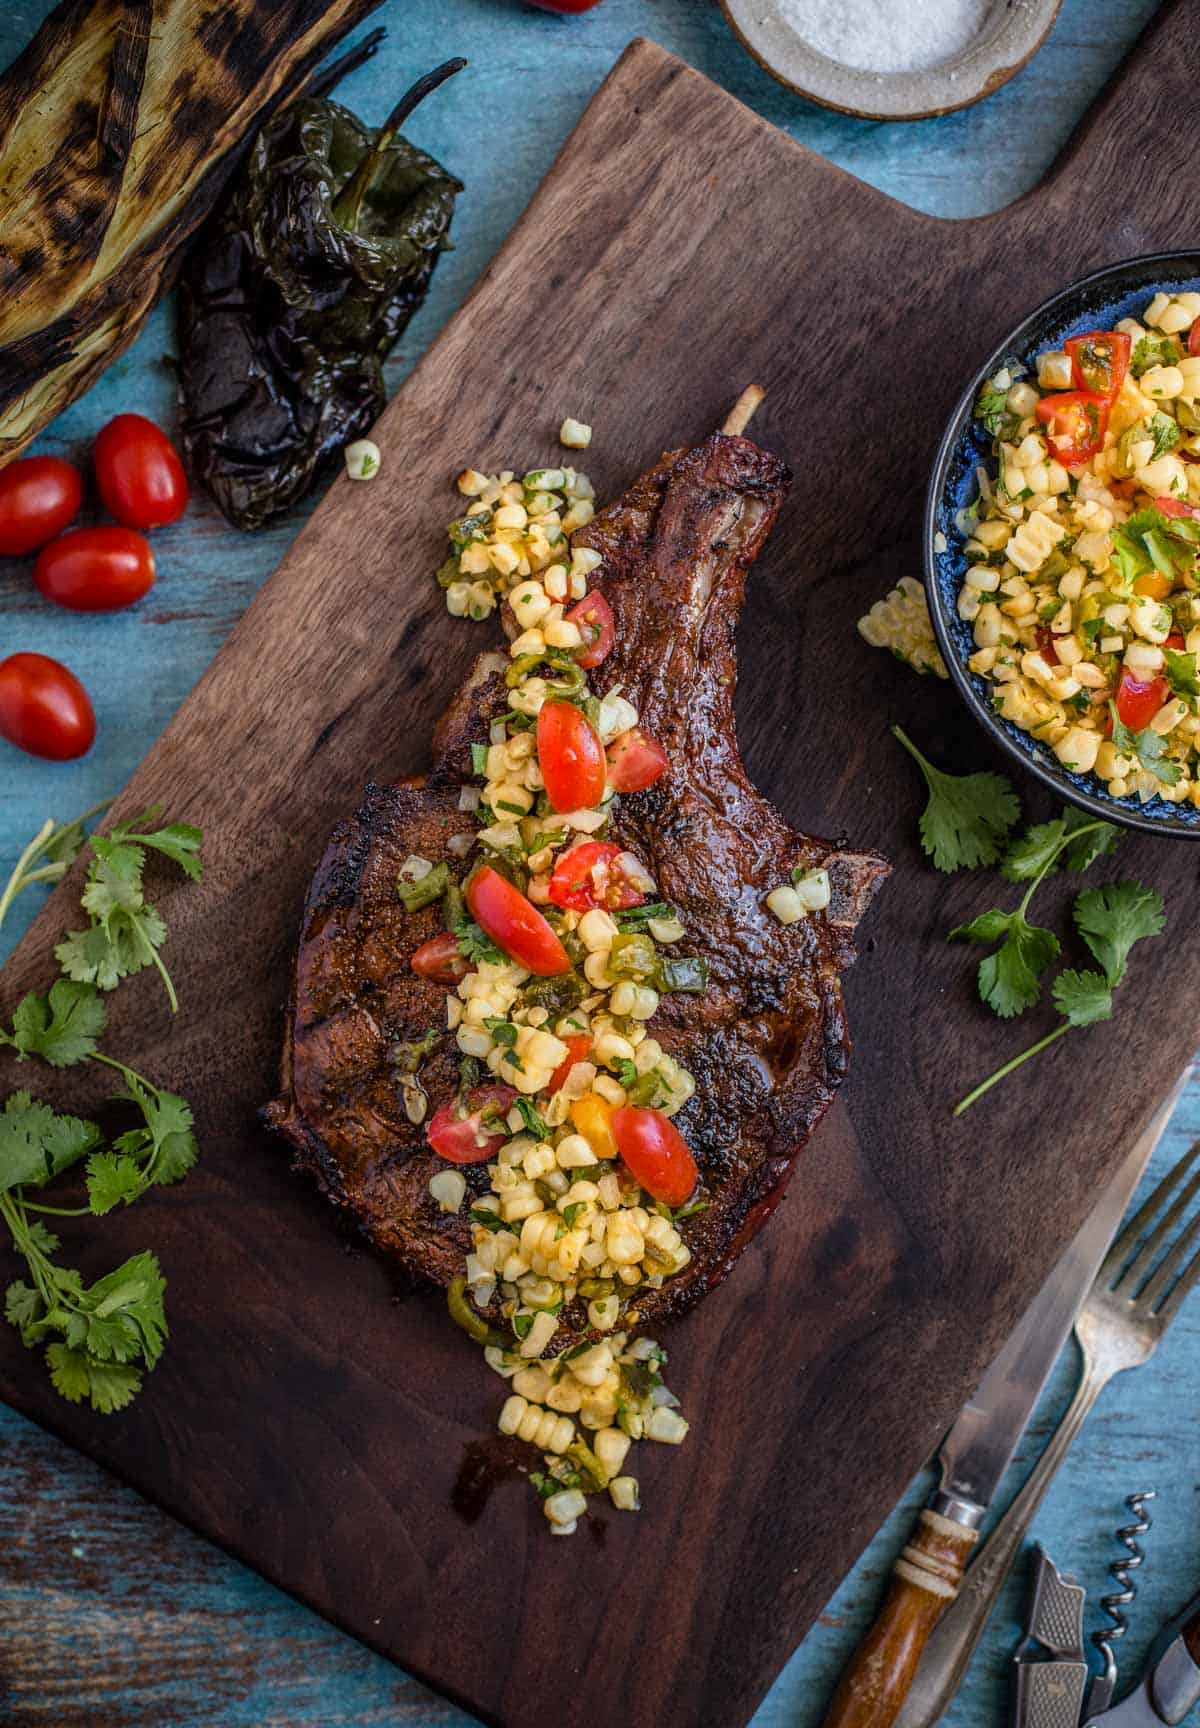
<point>311,1415</point>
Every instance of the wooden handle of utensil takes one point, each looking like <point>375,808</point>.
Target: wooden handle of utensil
<point>924,1582</point>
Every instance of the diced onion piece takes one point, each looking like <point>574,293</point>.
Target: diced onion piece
<point>448,1188</point>
<point>414,868</point>
<point>363,459</point>
<point>458,845</point>
<point>787,905</point>
<point>575,434</point>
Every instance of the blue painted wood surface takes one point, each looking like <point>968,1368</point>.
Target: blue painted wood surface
<point>110,1613</point>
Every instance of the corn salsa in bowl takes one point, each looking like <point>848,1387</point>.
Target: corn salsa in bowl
<point>1064,544</point>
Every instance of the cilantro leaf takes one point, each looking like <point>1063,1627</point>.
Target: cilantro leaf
<point>1009,979</point>
<point>1082,998</point>
<point>1151,541</point>
<point>113,1179</point>
<point>35,1144</point>
<point>1111,919</point>
<point>22,1304</point>
<point>61,1028</point>
<point>1165,433</point>
<point>993,413</point>
<point>473,944</point>
<point>1090,839</point>
<point>627,1072</point>
<point>1034,853</point>
<point>178,841</point>
<point>532,1120</point>
<point>1181,673</point>
<point>75,1375</point>
<point>967,816</point>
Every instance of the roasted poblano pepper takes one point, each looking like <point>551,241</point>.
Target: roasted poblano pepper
<point>295,292</point>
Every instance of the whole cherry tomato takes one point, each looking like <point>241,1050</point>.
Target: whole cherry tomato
<point>515,924</point>
<point>95,569</point>
<point>39,495</point>
<point>635,761</point>
<point>469,1133</point>
<point>591,875</point>
<point>138,471</point>
<point>441,959</point>
<point>593,616</point>
<point>578,1044</point>
<point>570,756</point>
<point>656,1153</point>
<point>44,709</point>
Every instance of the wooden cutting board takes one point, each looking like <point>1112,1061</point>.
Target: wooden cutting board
<point>310,1415</point>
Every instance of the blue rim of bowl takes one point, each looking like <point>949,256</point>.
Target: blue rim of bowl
<point>1070,310</point>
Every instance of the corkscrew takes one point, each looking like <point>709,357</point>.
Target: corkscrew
<point>1123,1573</point>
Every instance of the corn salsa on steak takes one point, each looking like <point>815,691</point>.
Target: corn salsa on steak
<point>565,1009</point>
<point>1083,583</point>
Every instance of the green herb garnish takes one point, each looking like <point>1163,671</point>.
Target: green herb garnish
<point>967,817</point>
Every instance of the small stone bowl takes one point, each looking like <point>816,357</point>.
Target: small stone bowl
<point>1013,32</point>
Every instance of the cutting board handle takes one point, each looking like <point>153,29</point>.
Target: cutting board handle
<point>1116,145</point>
<point>925,1580</point>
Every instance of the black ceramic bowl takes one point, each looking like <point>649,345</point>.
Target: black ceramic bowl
<point>1095,302</point>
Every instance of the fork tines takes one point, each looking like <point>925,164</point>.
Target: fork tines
<point>1146,1263</point>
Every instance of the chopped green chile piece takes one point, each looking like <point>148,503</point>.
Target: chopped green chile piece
<point>557,994</point>
<point>681,972</point>
<point>472,1323</point>
<point>415,895</point>
<point>409,1054</point>
<point>592,1289</point>
<point>466,530</point>
<point>646,1088</point>
<point>454,907</point>
<point>632,956</point>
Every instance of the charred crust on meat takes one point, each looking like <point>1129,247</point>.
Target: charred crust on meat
<point>766,1043</point>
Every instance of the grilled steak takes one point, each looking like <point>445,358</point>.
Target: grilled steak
<point>766,1042</point>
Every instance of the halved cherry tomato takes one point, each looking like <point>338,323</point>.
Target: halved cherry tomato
<point>1176,506</point>
<point>593,615</point>
<point>1139,700</point>
<point>44,709</point>
<point>39,495</point>
<point>138,471</point>
<point>656,1153</point>
<point>1075,423</point>
<point>470,1133</point>
<point>514,924</point>
<point>570,756</point>
<point>588,875</point>
<point>441,959</point>
<point>95,569</point>
<point>635,761</point>
<point>1175,640</point>
<point>578,1044</point>
<point>1194,338</point>
<point>1099,361</point>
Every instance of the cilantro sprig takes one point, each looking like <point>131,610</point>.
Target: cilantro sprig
<point>1111,921</point>
<point>100,1338</point>
<point>968,816</point>
<point>125,932</point>
<point>1010,978</point>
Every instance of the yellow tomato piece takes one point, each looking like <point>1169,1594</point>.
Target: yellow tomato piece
<point>1154,584</point>
<point>592,1115</point>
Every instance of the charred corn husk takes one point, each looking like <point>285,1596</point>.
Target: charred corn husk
<point>119,126</point>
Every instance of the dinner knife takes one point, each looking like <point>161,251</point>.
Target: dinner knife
<point>973,1458</point>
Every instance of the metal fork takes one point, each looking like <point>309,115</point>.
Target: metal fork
<point>1136,1294</point>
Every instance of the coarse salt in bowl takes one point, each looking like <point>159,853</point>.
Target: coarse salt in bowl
<point>892,59</point>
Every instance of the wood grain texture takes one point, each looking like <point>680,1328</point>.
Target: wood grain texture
<point>837,1186</point>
